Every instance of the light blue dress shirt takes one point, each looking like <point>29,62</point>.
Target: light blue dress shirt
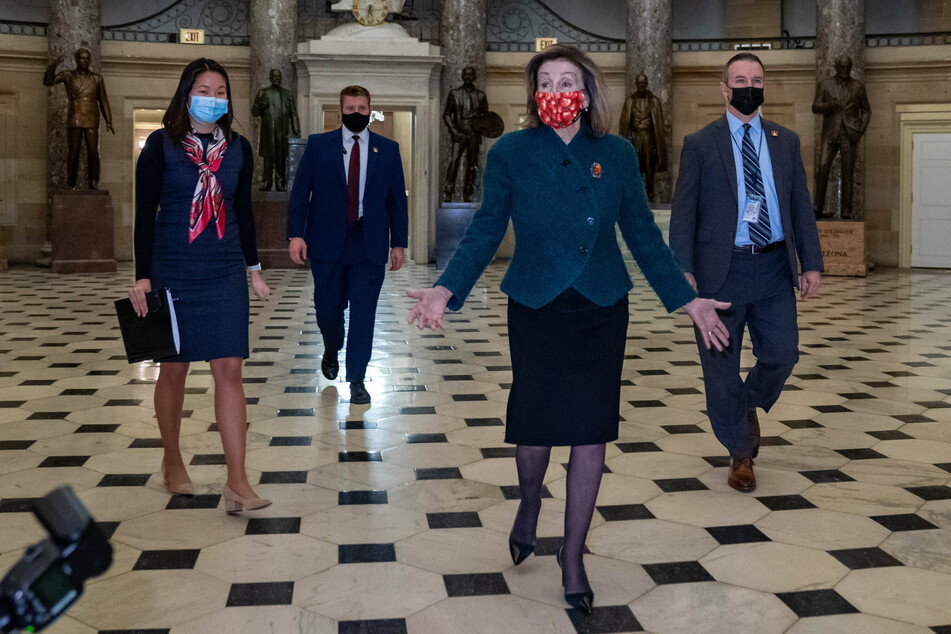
<point>766,170</point>
<point>364,138</point>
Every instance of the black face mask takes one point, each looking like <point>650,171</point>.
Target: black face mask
<point>355,121</point>
<point>747,99</point>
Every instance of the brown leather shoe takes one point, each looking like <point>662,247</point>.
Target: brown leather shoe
<point>741,475</point>
<point>754,430</point>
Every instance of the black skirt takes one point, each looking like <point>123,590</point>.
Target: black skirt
<point>566,371</point>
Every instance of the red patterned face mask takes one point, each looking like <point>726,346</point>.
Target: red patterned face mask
<point>559,109</point>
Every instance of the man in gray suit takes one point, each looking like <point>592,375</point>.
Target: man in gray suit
<point>740,219</point>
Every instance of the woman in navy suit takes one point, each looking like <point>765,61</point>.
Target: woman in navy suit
<point>564,183</point>
<point>194,234</point>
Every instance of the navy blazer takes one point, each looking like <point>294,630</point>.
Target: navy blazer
<point>704,210</point>
<point>317,208</point>
<point>564,202</point>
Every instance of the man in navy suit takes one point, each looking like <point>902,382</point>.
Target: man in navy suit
<point>740,218</point>
<point>348,209</point>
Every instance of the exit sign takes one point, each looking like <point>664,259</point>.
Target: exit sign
<point>191,36</point>
<point>541,43</point>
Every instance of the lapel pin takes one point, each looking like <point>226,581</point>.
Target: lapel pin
<point>774,133</point>
<point>596,170</point>
<point>375,150</point>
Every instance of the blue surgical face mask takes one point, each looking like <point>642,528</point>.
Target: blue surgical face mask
<point>207,109</point>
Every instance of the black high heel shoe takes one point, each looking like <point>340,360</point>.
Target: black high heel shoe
<point>581,601</point>
<point>519,550</point>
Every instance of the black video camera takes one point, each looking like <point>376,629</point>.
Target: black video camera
<point>49,577</point>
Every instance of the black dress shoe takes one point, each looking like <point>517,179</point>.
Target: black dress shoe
<point>359,394</point>
<point>581,601</point>
<point>329,364</point>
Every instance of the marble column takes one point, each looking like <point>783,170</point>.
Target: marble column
<point>840,30</point>
<point>649,51</point>
<point>462,43</point>
<point>273,41</point>
<point>74,24</point>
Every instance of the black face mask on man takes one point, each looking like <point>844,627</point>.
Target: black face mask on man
<point>747,99</point>
<point>355,121</point>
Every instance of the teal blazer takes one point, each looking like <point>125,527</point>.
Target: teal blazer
<point>564,202</point>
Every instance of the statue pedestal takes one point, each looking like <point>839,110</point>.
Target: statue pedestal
<point>452,220</point>
<point>843,247</point>
<point>270,226</point>
<point>83,227</point>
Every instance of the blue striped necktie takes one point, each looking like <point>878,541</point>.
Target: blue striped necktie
<point>760,233</point>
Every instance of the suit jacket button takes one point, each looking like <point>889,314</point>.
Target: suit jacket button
<point>584,189</point>
<point>582,250</point>
<point>590,221</point>
<point>566,163</point>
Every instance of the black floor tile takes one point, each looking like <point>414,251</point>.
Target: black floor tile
<point>411,411</point>
<point>63,461</point>
<point>830,409</point>
<point>861,558</point>
<point>96,429</point>
<point>822,476</point>
<point>425,438</point>
<point>464,519</point>
<point>637,447</point>
<point>307,411</point>
<point>146,443</point>
<point>376,626</point>
<point>123,402</point>
<point>275,593</point>
<point>15,445</point>
<point>816,603</point>
<point>137,631</point>
<point>124,480</point>
<point>469,397</point>
<point>904,522</point>
<point>931,493</point>
<point>647,403</point>
<point>484,422</point>
<point>438,473</point>
<point>860,454</point>
<point>359,456</point>
<point>365,553</point>
<point>889,434</point>
<point>17,505</point>
<point>167,560</point>
<point>677,572</point>
<point>498,452</point>
<point>682,429</point>
<point>47,416</point>
<point>606,619</point>
<point>801,423</point>
<point>674,485</point>
<point>718,461</point>
<point>361,497</point>
<point>182,502</point>
<point>208,459</point>
<point>273,526</point>
<point>624,512</point>
<point>475,585</point>
<point>284,477</point>
<point>739,534</point>
<point>913,418</point>
<point>941,629</point>
<point>785,502</point>
<point>355,424</point>
<point>291,441</point>
<point>512,492</point>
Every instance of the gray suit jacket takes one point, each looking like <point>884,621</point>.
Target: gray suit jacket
<point>704,208</point>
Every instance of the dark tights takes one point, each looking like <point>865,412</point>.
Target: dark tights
<point>584,479</point>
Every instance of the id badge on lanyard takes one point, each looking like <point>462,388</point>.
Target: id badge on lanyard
<point>752,208</point>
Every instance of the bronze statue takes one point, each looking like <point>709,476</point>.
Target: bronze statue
<point>86,94</point>
<point>278,111</point>
<point>642,123</point>
<point>465,107</point>
<point>846,112</point>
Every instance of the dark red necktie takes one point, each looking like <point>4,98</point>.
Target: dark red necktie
<point>353,183</point>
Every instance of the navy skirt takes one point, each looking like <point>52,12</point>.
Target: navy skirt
<point>566,371</point>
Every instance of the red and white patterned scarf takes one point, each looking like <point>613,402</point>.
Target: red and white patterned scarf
<point>207,201</point>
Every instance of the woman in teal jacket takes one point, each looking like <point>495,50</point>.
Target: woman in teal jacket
<point>564,183</point>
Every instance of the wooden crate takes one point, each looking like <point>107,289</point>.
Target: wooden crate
<point>843,247</point>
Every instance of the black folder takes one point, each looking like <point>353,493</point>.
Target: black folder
<point>154,336</point>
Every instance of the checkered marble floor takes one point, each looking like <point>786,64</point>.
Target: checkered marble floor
<point>393,517</point>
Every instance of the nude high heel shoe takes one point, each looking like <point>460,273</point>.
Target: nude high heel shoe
<point>182,488</point>
<point>234,503</point>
